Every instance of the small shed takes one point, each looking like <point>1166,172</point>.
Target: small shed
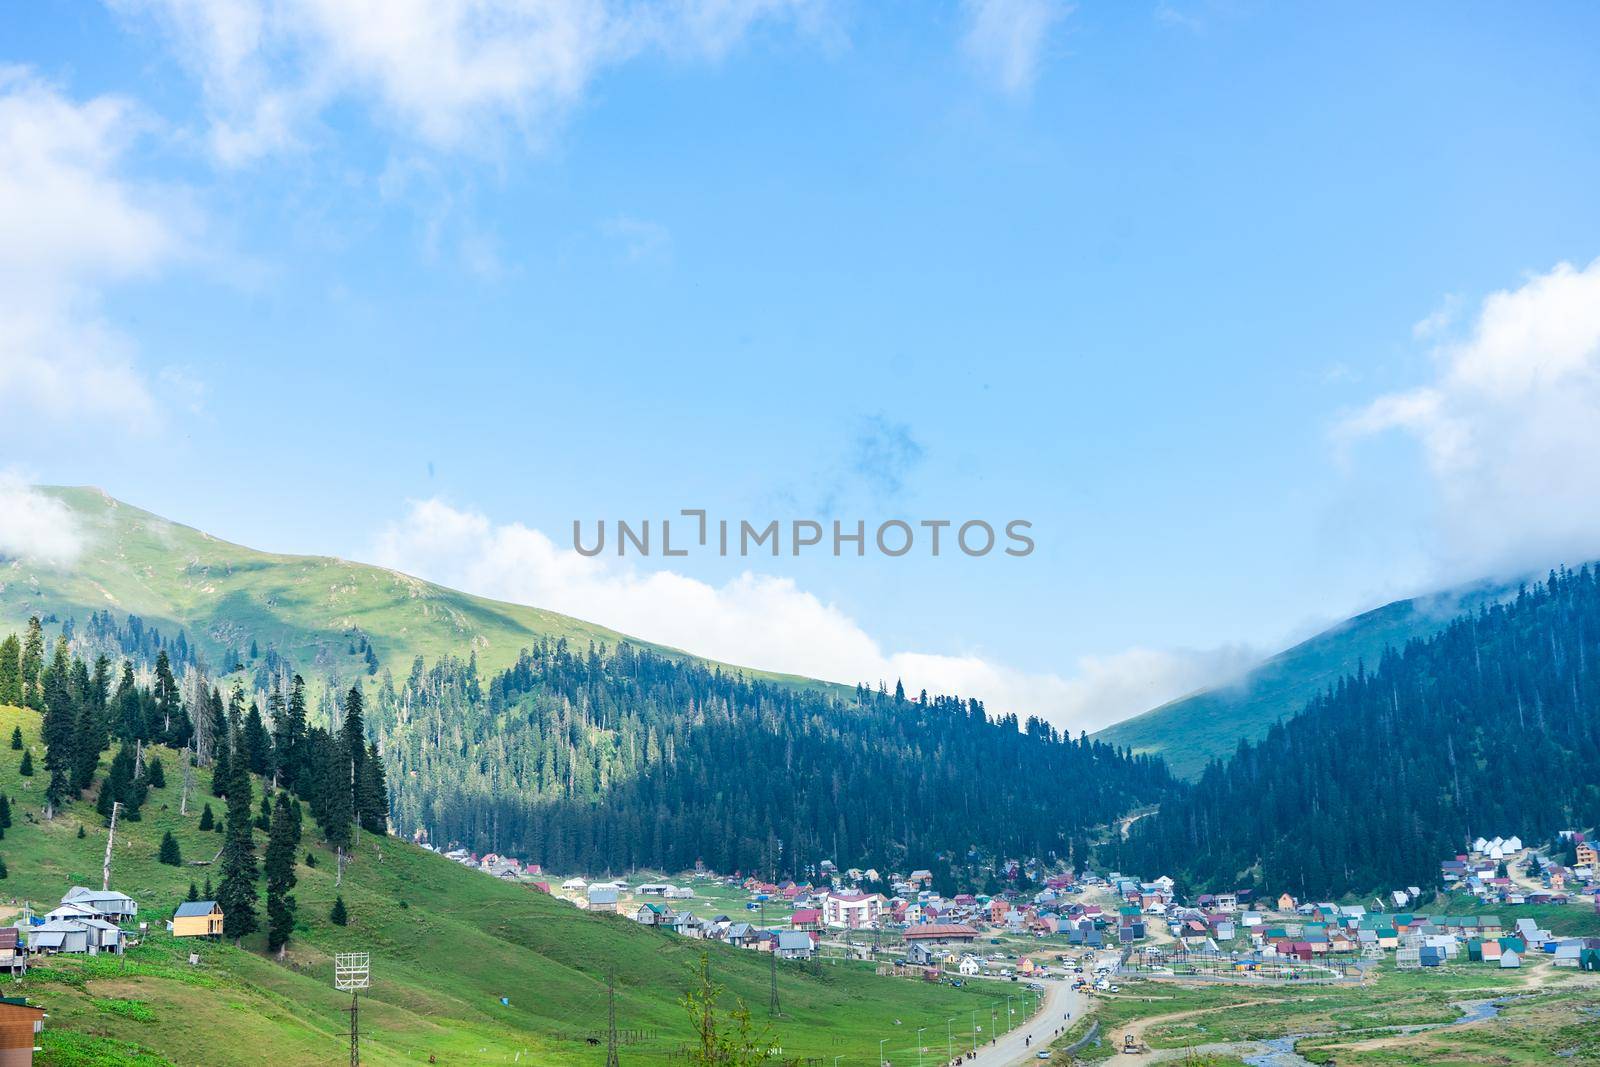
<point>197,918</point>
<point>1510,958</point>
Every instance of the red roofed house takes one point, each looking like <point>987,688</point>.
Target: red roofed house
<point>942,932</point>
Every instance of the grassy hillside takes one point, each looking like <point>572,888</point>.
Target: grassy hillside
<point>447,944</point>
<point>224,596</point>
<point>1192,731</point>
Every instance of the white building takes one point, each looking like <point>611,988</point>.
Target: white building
<point>851,910</point>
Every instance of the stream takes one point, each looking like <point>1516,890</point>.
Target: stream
<point>1280,1051</point>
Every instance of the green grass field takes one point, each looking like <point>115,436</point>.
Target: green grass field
<point>1359,1021</point>
<point>447,944</point>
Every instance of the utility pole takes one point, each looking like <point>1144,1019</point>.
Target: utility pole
<point>188,781</point>
<point>611,1010</point>
<point>352,972</point>
<point>105,871</point>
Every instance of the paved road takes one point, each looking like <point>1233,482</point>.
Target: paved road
<point>1013,1048</point>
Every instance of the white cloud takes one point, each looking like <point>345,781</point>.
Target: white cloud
<point>72,223</point>
<point>1006,37</point>
<point>768,622</point>
<point>1510,426</point>
<point>451,73</point>
<point>35,527</point>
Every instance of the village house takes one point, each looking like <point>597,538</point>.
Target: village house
<point>602,898</point>
<point>13,953</point>
<point>941,933</point>
<point>806,919</point>
<point>76,937</point>
<point>106,904</point>
<point>795,945</point>
<point>652,915</point>
<point>197,918</point>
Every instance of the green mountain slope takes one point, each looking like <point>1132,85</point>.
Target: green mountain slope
<point>447,943</point>
<point>1195,729</point>
<point>307,608</point>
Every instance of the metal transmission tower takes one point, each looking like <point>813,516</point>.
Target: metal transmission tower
<point>352,972</point>
<point>772,1008</point>
<point>611,1009</point>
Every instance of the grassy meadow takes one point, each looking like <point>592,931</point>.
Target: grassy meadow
<point>447,943</point>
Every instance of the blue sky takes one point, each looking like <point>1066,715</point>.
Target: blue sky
<point>1206,291</point>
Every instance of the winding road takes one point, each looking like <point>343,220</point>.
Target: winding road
<point>1014,1048</point>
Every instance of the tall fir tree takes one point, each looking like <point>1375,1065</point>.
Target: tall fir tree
<point>374,794</point>
<point>60,729</point>
<point>280,874</point>
<point>237,891</point>
<point>257,742</point>
<point>353,737</point>
<point>11,671</point>
<point>289,734</point>
<point>32,664</point>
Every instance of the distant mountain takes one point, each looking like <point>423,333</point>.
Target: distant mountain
<point>513,729</point>
<point>318,613</point>
<point>1192,731</point>
<point>1487,728</point>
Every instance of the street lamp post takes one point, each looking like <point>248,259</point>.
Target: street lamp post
<point>1010,1018</point>
<point>919,1045</point>
<point>949,1040</point>
<point>881,1042</point>
<point>974,1030</point>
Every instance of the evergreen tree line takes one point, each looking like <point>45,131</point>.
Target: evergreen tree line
<point>1491,727</point>
<point>338,774</point>
<point>611,760</point>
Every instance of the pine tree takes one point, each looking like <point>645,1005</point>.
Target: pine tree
<point>194,893</point>
<point>11,671</point>
<point>16,739</point>
<point>32,664</point>
<point>339,916</point>
<point>289,736</point>
<point>237,891</point>
<point>130,722</point>
<point>257,745</point>
<point>206,818</point>
<point>170,854</point>
<point>353,739</point>
<point>280,875</point>
<point>374,794</point>
<point>118,784</point>
<point>264,819</point>
<point>155,774</point>
<point>3,872</point>
<point>87,758</point>
<point>60,729</point>
<point>219,746</point>
<point>206,893</point>
<point>26,770</point>
<point>5,812</point>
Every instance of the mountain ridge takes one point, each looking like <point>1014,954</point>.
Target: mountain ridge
<point>309,608</point>
<point>1208,724</point>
